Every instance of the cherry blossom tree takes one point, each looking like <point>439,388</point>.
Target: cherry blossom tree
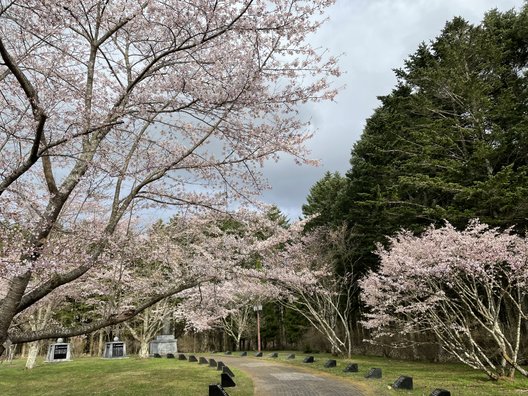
<point>113,106</point>
<point>309,286</point>
<point>469,288</point>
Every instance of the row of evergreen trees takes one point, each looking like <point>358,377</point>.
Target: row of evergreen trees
<point>450,142</point>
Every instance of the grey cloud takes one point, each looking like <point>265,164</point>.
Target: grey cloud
<point>374,36</point>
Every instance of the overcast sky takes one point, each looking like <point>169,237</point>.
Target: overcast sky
<point>374,36</point>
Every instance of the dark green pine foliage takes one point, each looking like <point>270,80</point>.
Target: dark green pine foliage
<point>325,201</point>
<point>449,142</point>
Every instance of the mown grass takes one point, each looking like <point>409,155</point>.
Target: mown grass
<point>458,379</point>
<point>132,376</point>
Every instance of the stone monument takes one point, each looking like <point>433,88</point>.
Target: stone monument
<point>164,343</point>
<point>115,349</point>
<point>59,352</point>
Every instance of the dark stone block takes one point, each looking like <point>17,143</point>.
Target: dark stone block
<point>226,381</point>
<point>274,355</point>
<point>192,358</point>
<point>228,371</point>
<point>219,365</point>
<point>170,356</point>
<point>351,368</point>
<point>374,373</point>
<point>181,356</point>
<point>228,352</point>
<point>440,392</point>
<point>243,354</point>
<point>291,356</point>
<point>330,363</point>
<point>217,390</point>
<point>202,360</point>
<point>157,355</point>
<point>403,382</point>
<point>212,363</point>
<point>259,354</point>
<point>308,359</point>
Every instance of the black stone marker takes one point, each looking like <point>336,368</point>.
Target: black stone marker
<point>228,352</point>
<point>192,358</point>
<point>291,356</point>
<point>374,373</point>
<point>170,356</point>
<point>440,392</point>
<point>228,371</point>
<point>202,360</point>
<point>330,363</point>
<point>181,356</point>
<point>351,368</point>
<point>157,355</point>
<point>243,354</point>
<point>60,352</point>
<point>118,349</point>
<point>212,363</point>
<point>308,359</point>
<point>274,355</point>
<point>219,365</point>
<point>226,381</point>
<point>259,354</point>
<point>403,382</point>
<point>217,390</point>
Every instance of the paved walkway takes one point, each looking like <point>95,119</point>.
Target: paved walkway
<point>280,379</point>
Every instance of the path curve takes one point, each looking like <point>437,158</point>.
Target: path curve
<point>272,378</point>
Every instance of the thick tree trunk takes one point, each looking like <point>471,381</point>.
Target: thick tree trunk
<point>100,343</point>
<point>143,349</point>
<point>9,304</point>
<point>34,348</point>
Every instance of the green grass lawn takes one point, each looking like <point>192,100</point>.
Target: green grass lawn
<point>132,376</point>
<point>458,379</point>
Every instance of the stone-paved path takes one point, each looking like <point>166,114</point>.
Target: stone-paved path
<point>279,379</point>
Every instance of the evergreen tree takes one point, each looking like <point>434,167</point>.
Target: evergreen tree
<point>450,141</point>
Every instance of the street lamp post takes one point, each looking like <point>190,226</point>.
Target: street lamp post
<point>258,308</point>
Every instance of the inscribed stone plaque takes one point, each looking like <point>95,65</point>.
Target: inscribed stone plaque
<point>163,344</point>
<point>351,368</point>
<point>291,356</point>
<point>403,382</point>
<point>118,349</point>
<point>226,381</point>
<point>202,360</point>
<point>228,371</point>
<point>217,390</point>
<point>192,358</point>
<point>60,351</point>
<point>219,365</point>
<point>308,359</point>
<point>374,373</point>
<point>330,363</point>
<point>212,363</point>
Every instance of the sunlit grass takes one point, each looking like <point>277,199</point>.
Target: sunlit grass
<point>132,376</point>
